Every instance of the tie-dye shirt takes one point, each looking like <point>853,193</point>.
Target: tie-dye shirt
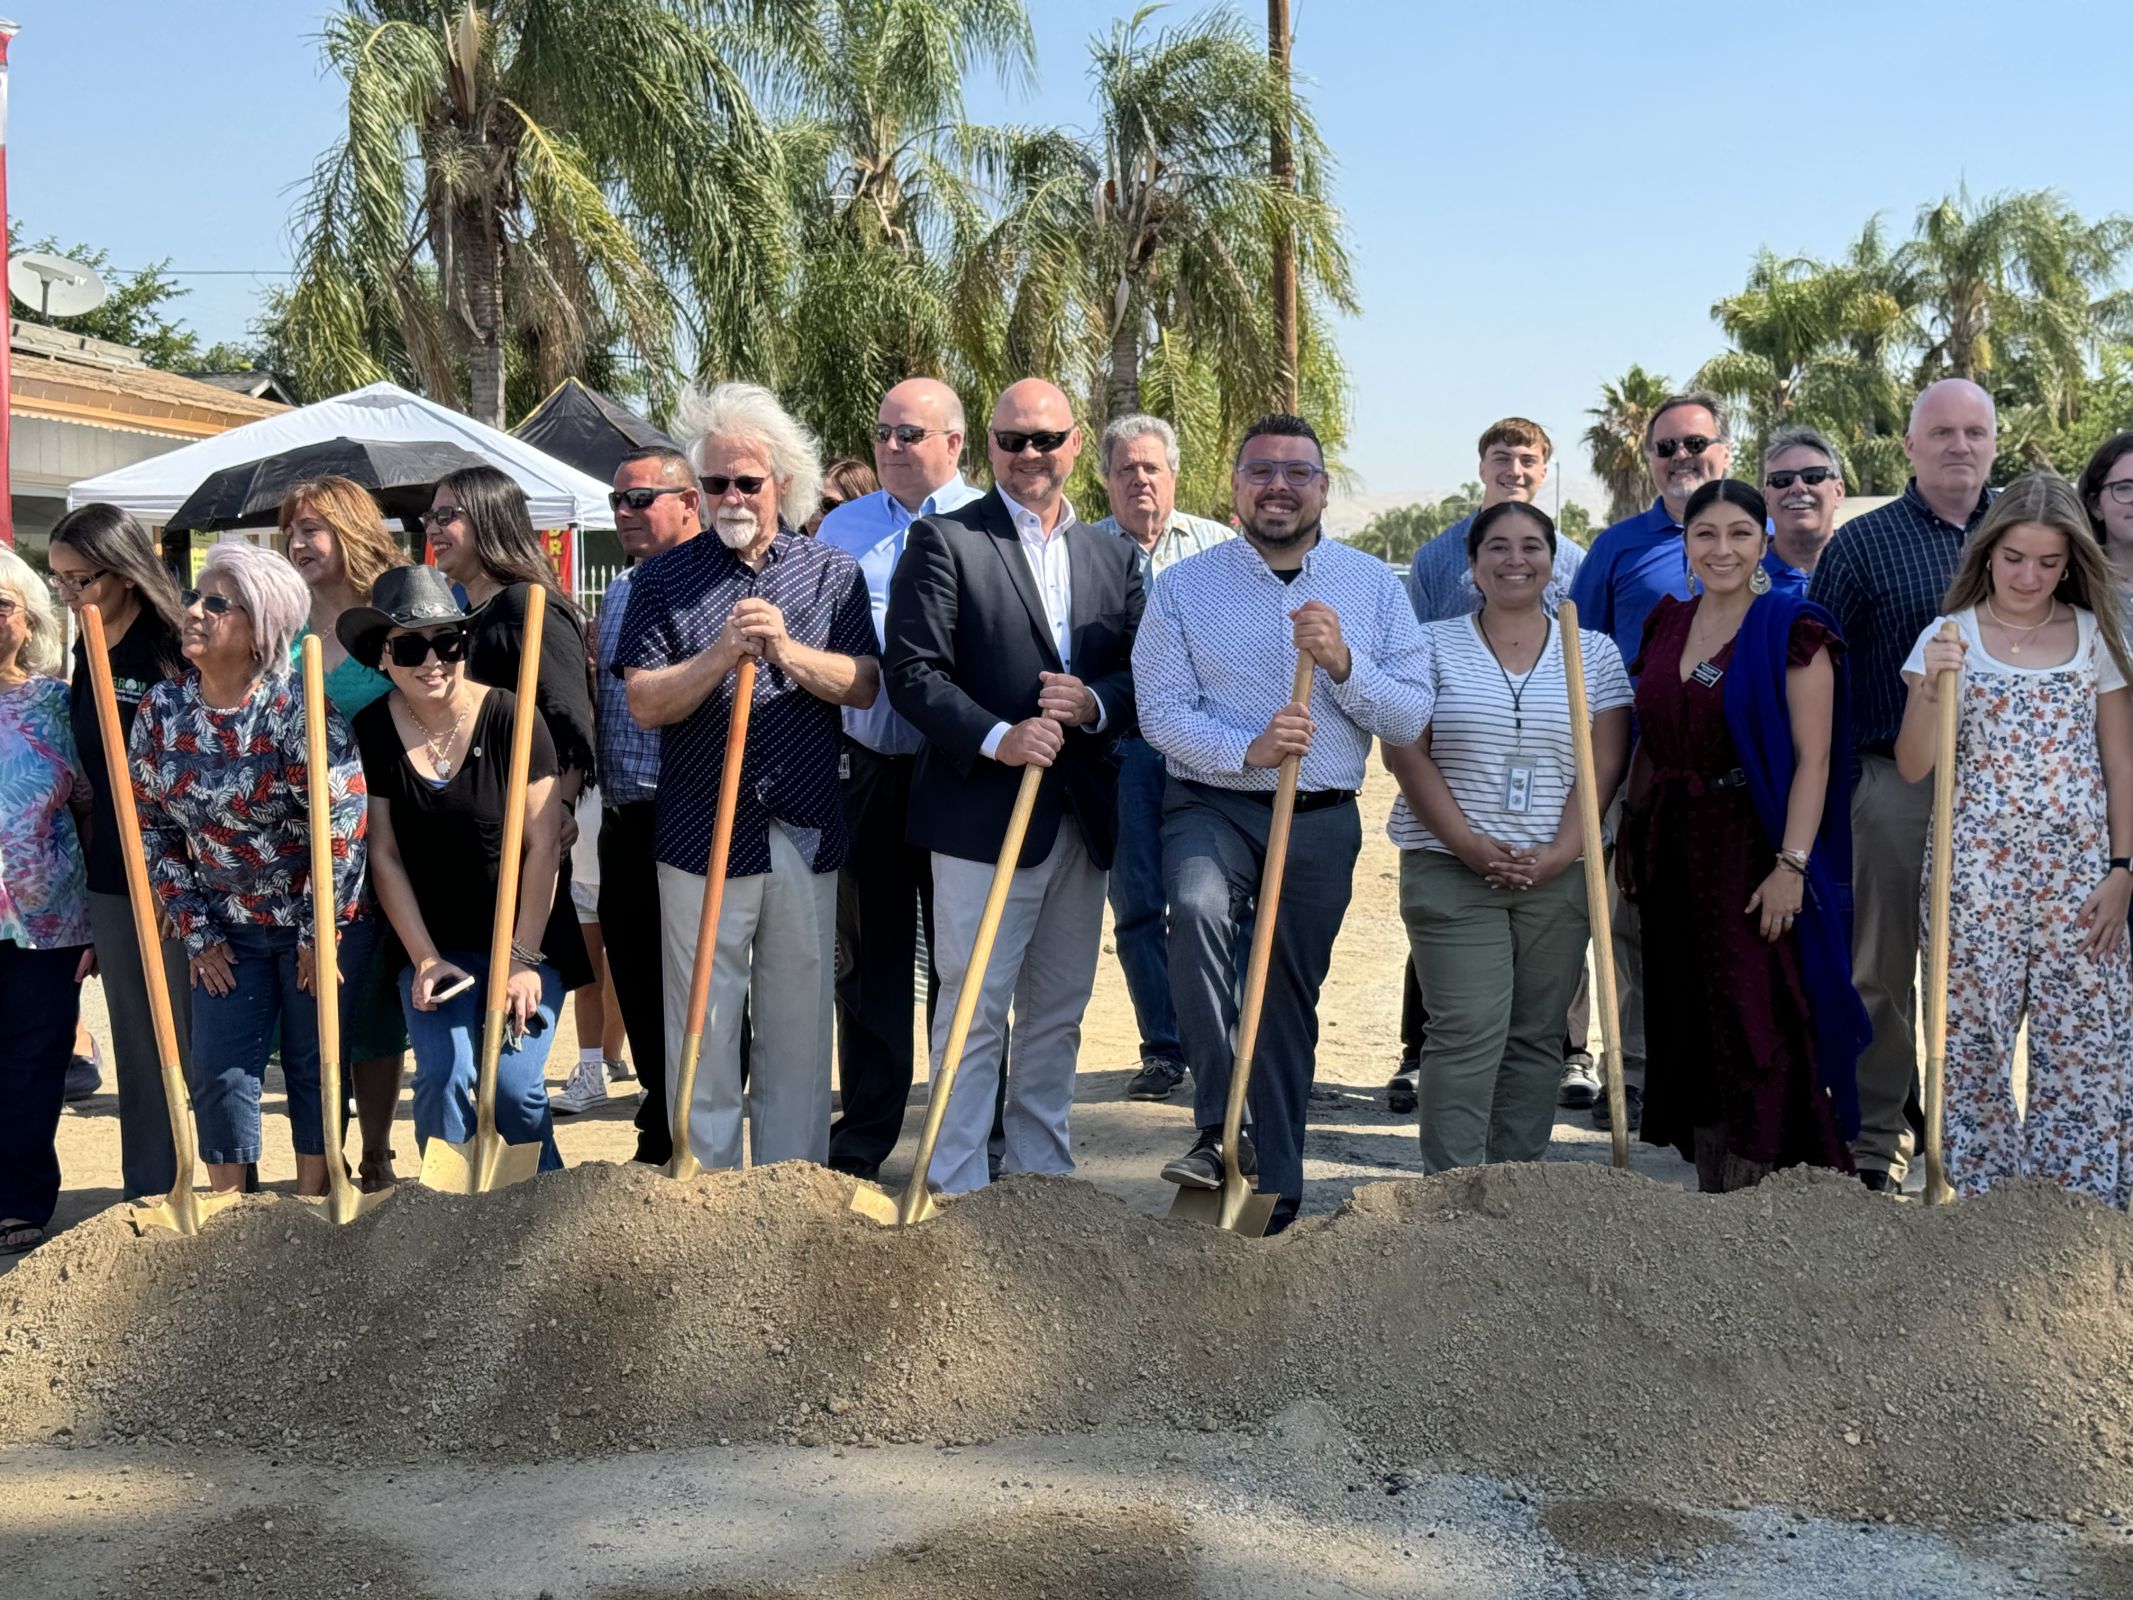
<point>223,798</point>
<point>44,882</point>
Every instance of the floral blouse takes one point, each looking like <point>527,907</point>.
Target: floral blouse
<point>44,881</point>
<point>223,800</point>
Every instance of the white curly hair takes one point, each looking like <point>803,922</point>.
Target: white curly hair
<point>750,411</point>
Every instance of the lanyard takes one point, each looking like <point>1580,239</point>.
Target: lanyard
<point>1517,691</point>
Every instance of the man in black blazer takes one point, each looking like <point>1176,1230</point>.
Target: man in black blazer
<point>1009,644</point>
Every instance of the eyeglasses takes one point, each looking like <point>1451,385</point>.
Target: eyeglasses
<point>1296,474</point>
<point>442,516</point>
<point>1811,476</point>
<point>215,605</point>
<point>2121,490</point>
<point>716,487</point>
<point>638,499</point>
<point>9,605</point>
<point>1696,444</point>
<point>906,433</point>
<point>412,649</point>
<point>1014,443</point>
<point>66,583</point>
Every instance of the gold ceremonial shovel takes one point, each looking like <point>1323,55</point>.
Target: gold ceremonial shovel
<point>184,1208</point>
<point>1599,911</point>
<point>486,1162</point>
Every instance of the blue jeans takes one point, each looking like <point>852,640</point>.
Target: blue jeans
<point>232,1036</point>
<point>1139,908</point>
<point>447,1046</point>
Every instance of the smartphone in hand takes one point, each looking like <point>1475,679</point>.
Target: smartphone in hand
<point>452,990</point>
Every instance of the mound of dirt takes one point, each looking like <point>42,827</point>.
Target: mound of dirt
<point>1805,1343</point>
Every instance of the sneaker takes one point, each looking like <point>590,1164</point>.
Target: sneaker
<point>84,1078</point>
<point>1157,1080</point>
<point>1632,1102</point>
<point>1201,1167</point>
<point>1403,1092</point>
<point>1881,1182</point>
<point>618,1071</point>
<point>1580,1085</point>
<point>586,1088</point>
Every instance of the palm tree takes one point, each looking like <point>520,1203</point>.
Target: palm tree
<point>537,176</point>
<point>1616,439</point>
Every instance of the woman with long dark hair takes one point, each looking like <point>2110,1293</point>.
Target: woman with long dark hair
<point>1736,846</point>
<point>482,534</point>
<point>102,556</point>
<point>2041,845</point>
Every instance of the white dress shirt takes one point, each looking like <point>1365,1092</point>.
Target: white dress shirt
<point>1052,567</point>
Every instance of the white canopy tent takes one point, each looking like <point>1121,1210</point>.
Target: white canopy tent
<point>558,494</point>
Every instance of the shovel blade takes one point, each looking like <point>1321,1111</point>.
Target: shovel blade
<point>1235,1209</point>
<point>456,1168</point>
<point>875,1204</point>
<point>181,1213</point>
<point>343,1203</point>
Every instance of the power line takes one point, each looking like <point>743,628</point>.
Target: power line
<point>207,272</point>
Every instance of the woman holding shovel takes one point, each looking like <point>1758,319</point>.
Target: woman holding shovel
<point>436,752</point>
<point>1736,846</point>
<point>2040,840</point>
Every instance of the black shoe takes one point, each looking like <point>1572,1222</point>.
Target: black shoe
<point>1632,1103</point>
<point>1880,1182</point>
<point>1201,1167</point>
<point>1401,1097</point>
<point>1157,1080</point>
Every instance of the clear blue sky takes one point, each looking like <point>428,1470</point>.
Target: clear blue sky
<point>1538,195</point>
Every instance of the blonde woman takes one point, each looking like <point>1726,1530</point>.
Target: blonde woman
<point>2041,844</point>
<point>44,902</point>
<point>340,547</point>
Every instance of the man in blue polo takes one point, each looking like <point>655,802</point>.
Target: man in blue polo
<point>1802,485</point>
<point>1625,572</point>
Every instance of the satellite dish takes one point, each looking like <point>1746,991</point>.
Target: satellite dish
<point>55,286</point>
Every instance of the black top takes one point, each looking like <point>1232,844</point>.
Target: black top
<point>677,605</point>
<point>142,657</point>
<point>564,689</point>
<point>451,837</point>
<point>967,635</point>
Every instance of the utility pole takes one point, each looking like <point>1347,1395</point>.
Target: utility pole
<point>8,30</point>
<point>1281,166</point>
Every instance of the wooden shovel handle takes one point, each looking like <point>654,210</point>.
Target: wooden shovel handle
<point>325,943</point>
<point>1947,717</point>
<point>1599,913</point>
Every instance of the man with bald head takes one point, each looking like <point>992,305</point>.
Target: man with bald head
<point>918,450</point>
<point>1009,645</point>
<point>1884,581</point>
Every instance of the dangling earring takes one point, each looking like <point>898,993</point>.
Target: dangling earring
<point>1759,580</point>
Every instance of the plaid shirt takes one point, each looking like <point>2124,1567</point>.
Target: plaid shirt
<point>1883,578</point>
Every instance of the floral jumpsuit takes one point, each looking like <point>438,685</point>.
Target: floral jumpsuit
<point>2032,841</point>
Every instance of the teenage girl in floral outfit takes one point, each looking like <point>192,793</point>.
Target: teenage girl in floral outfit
<point>2042,836</point>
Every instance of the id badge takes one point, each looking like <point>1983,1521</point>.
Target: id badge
<point>844,764</point>
<point>1518,776</point>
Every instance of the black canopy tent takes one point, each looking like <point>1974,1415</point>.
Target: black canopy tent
<point>583,427</point>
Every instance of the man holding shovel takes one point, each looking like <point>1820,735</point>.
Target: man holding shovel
<point>1215,662</point>
<point>798,607</point>
<point>1009,643</point>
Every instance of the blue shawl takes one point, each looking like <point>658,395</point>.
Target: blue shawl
<point>1760,721</point>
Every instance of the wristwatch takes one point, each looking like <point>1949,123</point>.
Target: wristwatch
<point>2121,864</point>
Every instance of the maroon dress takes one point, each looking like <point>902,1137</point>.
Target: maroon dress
<point>1729,1043</point>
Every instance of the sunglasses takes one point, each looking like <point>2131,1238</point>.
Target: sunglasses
<point>215,605</point>
<point>1014,443</point>
<point>67,583</point>
<point>638,499</point>
<point>412,649</point>
<point>830,503</point>
<point>9,605</point>
<point>1696,444</point>
<point>1296,474</point>
<point>716,487</point>
<point>442,516</point>
<point>904,433</point>
<point>1807,475</point>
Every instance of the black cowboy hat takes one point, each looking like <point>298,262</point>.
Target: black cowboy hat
<point>403,597</point>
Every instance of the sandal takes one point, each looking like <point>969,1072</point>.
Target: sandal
<point>17,1237</point>
<point>375,1175</point>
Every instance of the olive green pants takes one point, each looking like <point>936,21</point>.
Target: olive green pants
<point>1498,968</point>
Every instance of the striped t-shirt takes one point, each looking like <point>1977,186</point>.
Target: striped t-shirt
<point>1471,736</point>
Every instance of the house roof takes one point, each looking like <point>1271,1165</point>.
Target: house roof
<point>135,399</point>
<point>259,385</point>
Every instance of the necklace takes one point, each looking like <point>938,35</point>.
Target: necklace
<point>1516,691</point>
<point>440,753</point>
<point>2014,647</point>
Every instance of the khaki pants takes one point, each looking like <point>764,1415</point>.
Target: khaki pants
<point>1498,968</point>
<point>1889,821</point>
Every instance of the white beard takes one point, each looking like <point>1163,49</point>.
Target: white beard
<point>736,529</point>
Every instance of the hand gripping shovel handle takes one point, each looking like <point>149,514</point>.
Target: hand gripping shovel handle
<point>1598,912</point>
<point>1265,909</point>
<point>1948,709</point>
<point>684,1163</point>
<point>184,1209</point>
<point>916,1203</point>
